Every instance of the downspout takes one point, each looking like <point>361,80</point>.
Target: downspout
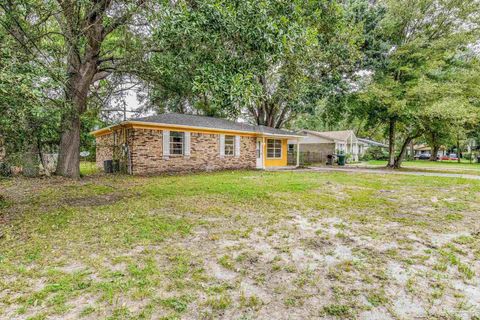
<point>298,152</point>
<point>264,147</point>
<point>130,148</point>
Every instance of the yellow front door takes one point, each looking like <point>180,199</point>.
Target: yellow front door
<point>275,152</point>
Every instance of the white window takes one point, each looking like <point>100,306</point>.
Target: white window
<point>229,145</point>
<point>176,142</point>
<point>274,148</point>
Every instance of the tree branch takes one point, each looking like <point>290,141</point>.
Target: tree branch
<point>122,19</point>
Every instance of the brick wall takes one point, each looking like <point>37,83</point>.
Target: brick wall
<point>109,147</point>
<point>104,149</point>
<point>146,149</point>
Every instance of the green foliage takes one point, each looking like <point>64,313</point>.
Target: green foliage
<point>267,58</point>
<point>375,153</point>
<point>420,87</point>
<point>338,310</point>
<point>29,120</point>
<point>177,304</point>
<point>61,64</point>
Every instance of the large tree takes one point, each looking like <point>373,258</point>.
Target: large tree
<point>270,60</point>
<point>82,39</point>
<point>423,39</point>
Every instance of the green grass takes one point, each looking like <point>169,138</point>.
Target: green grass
<point>430,164</point>
<point>88,168</point>
<point>229,243</point>
<point>337,310</point>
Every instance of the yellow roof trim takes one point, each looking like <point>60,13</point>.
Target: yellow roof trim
<point>101,132</point>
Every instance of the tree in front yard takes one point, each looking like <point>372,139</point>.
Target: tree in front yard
<point>270,60</point>
<point>86,40</point>
<point>427,61</point>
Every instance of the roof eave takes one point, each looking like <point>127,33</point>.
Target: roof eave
<point>180,126</point>
<point>274,135</point>
<point>315,133</point>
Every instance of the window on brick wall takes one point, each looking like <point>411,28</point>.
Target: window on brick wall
<point>229,145</point>
<point>176,142</point>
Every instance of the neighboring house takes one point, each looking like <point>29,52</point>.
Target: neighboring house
<point>180,142</point>
<point>328,143</point>
<point>420,149</point>
<point>364,144</point>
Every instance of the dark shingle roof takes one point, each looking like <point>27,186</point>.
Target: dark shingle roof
<point>211,122</point>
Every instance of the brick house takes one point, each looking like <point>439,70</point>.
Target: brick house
<point>179,142</point>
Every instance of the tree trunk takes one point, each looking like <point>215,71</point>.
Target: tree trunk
<point>403,150</point>
<point>30,160</point>
<point>40,156</point>
<point>81,75</point>
<point>68,164</point>
<point>433,156</point>
<point>412,151</point>
<point>391,143</point>
<point>3,152</point>
<point>458,151</point>
<point>69,149</point>
<point>433,146</point>
<point>83,60</point>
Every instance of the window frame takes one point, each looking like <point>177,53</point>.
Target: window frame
<point>275,148</point>
<point>225,144</point>
<point>173,135</point>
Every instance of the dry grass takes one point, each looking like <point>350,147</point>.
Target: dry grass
<point>240,245</point>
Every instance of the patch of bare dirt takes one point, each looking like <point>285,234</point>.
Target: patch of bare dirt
<point>94,201</point>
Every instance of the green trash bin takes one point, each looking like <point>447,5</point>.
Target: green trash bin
<point>341,159</point>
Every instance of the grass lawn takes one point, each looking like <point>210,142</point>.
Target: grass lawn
<point>240,245</point>
<point>437,166</point>
<point>88,168</point>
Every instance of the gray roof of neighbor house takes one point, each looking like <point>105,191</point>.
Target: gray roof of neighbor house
<point>373,143</point>
<point>211,122</point>
<point>341,135</point>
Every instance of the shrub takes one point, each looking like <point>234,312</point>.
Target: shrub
<point>336,310</point>
<point>5,169</point>
<point>472,156</point>
<point>375,153</point>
